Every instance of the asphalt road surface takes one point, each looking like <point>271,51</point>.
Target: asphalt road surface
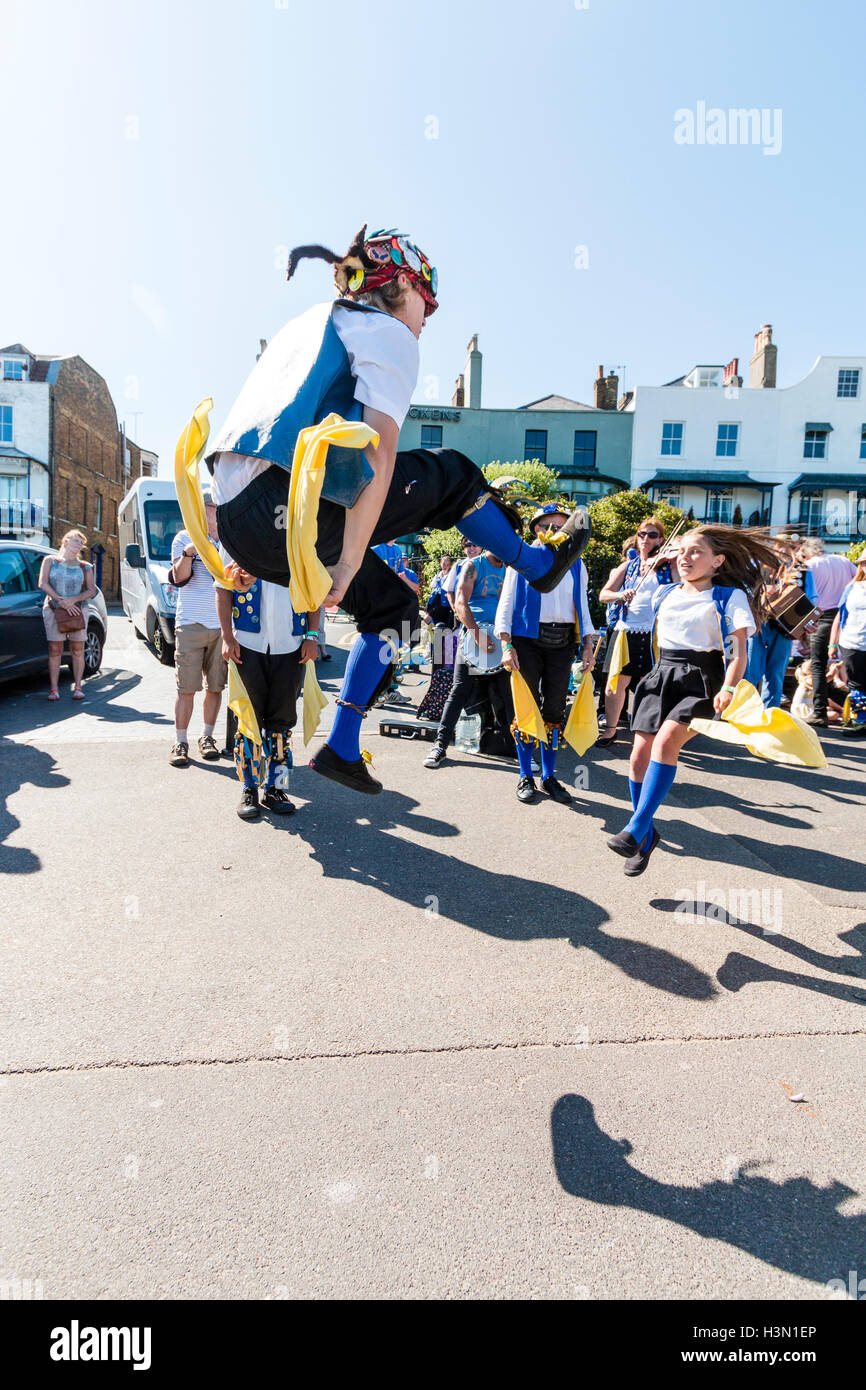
<point>430,1044</point>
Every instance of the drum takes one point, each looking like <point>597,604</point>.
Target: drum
<point>482,663</point>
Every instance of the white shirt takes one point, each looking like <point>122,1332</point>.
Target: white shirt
<point>853,635</point>
<point>384,356</point>
<point>195,600</point>
<point>276,619</point>
<point>639,614</point>
<point>556,607</point>
<point>449,583</point>
<point>688,622</point>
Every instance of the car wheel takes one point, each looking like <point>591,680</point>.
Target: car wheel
<point>163,649</point>
<point>93,648</point>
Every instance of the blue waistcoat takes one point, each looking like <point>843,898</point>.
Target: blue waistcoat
<point>247,611</point>
<point>302,376</point>
<point>526,617</point>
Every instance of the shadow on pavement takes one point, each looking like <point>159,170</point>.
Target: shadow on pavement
<point>853,966</point>
<point>33,712</point>
<point>21,765</point>
<point>794,1225</point>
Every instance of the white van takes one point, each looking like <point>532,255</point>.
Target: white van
<point>148,520</point>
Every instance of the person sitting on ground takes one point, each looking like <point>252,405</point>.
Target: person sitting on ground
<point>67,582</point>
<point>197,644</point>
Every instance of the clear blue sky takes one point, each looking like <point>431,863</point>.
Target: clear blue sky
<point>258,125</point>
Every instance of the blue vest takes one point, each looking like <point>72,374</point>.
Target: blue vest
<point>526,617</point>
<point>247,611</point>
<point>302,376</point>
<point>843,607</point>
<point>484,599</point>
<point>632,575</point>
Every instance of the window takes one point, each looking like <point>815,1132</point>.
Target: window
<point>585,442</point>
<point>97,512</point>
<point>727,440</point>
<point>431,436</point>
<point>535,446</point>
<point>114,519</point>
<point>14,574</point>
<point>670,495</point>
<point>13,370</point>
<point>672,438</point>
<point>811,510</point>
<point>863,441</point>
<point>720,504</point>
<point>5,424</point>
<point>815,445</point>
<point>848,383</point>
<point>162,521</point>
<point>84,506</point>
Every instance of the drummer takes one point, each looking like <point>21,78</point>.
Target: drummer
<point>475,602</point>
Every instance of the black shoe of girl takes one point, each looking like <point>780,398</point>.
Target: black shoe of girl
<point>556,791</point>
<point>526,789</point>
<point>248,806</point>
<point>570,543</point>
<point>624,844</point>
<point>639,861</point>
<point>353,775</point>
<point>275,799</point>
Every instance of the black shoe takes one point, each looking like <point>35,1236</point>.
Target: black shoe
<point>639,861</point>
<point>624,844</point>
<point>818,721</point>
<point>526,789</point>
<point>275,799</point>
<point>349,774</point>
<point>571,541</point>
<point>557,791</point>
<point>436,756</point>
<point>248,806</point>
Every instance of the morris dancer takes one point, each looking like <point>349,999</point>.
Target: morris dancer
<point>848,640</point>
<point>633,614</point>
<point>719,598</point>
<point>539,632</point>
<point>358,357</point>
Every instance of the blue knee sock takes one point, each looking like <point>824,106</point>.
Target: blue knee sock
<point>368,660</point>
<point>634,789</point>
<point>654,788</point>
<point>549,751</point>
<point>524,755</point>
<point>491,529</point>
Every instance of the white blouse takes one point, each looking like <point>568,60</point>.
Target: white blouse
<point>688,621</point>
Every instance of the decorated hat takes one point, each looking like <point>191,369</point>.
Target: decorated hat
<point>549,509</point>
<point>373,261</point>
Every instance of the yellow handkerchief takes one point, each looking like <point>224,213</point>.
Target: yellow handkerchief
<point>526,712</point>
<point>314,702</point>
<point>619,658</point>
<point>581,729</point>
<point>188,451</point>
<point>241,706</point>
<point>770,733</point>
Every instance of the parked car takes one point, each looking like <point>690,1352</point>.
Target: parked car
<point>23,645</point>
<point>148,520</point>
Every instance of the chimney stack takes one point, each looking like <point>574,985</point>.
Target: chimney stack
<point>459,397</point>
<point>605,390</point>
<point>762,367</point>
<point>472,375</point>
<point>732,377</point>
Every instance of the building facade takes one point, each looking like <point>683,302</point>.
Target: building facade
<point>792,458</point>
<point>64,462</point>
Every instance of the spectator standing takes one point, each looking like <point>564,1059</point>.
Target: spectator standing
<point>67,583</point>
<point>827,577</point>
<point>198,645</point>
<point>769,649</point>
<point>848,638</point>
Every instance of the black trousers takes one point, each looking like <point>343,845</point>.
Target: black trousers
<point>546,671</point>
<point>855,668</point>
<point>429,487</point>
<point>819,649</point>
<point>461,693</point>
<point>273,682</point>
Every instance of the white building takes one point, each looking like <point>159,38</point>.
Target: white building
<point>25,448</point>
<point>793,457</point>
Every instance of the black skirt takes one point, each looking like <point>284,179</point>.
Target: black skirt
<point>640,655</point>
<point>681,687</point>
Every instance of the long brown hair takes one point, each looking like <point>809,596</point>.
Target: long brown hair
<point>748,554</point>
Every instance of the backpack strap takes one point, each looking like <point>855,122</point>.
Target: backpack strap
<point>659,596</point>
<point>721,597</point>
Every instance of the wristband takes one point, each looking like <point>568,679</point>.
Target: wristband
<point>731,689</point>
<point>508,647</point>
<point>311,632</point>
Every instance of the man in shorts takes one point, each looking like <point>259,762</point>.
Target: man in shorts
<point>198,645</point>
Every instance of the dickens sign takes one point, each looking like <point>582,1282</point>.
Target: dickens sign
<point>426,412</point>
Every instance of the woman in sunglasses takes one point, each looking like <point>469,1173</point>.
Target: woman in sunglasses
<point>634,615</point>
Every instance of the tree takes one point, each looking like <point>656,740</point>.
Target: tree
<point>856,550</point>
<point>539,481</point>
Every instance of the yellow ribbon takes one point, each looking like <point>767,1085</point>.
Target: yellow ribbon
<point>581,729</point>
<point>619,658</point>
<point>241,706</point>
<point>188,452</point>
<point>769,733</point>
<point>315,701</point>
<point>527,716</point>
<point>309,581</point>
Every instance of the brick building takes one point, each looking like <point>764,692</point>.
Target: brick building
<point>64,461</point>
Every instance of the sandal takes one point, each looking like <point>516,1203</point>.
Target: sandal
<point>605,740</point>
<point>54,694</point>
<point>78,694</point>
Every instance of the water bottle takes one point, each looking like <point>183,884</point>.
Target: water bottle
<point>467,735</point>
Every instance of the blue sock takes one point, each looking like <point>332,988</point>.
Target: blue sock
<point>634,788</point>
<point>549,751</point>
<point>364,671</point>
<point>654,788</point>
<point>491,529</point>
<point>524,755</point>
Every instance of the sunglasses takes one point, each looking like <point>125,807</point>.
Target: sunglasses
<point>648,535</point>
